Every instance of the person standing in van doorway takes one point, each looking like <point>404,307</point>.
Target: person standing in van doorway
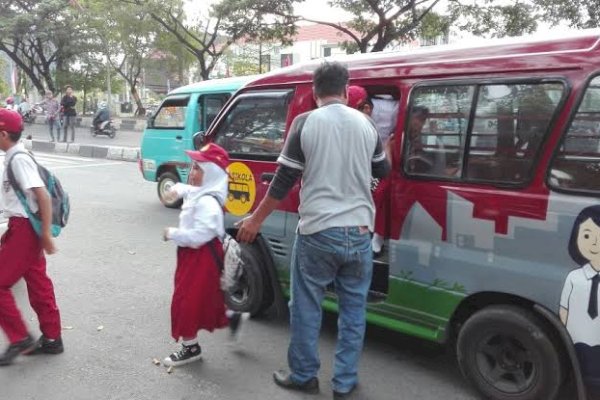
<point>68,105</point>
<point>337,151</point>
<point>358,98</point>
<point>22,250</point>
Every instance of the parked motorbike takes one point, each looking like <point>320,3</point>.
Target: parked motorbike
<point>105,128</point>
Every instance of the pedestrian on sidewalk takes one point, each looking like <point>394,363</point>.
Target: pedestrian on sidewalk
<point>69,114</point>
<point>52,108</point>
<point>337,151</point>
<point>198,302</point>
<point>22,250</point>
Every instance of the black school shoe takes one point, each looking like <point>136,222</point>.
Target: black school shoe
<point>47,346</point>
<point>284,380</point>
<point>14,350</point>
<point>185,355</point>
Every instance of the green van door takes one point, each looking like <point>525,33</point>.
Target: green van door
<point>170,130</point>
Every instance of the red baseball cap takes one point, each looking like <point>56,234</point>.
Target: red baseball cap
<point>210,153</point>
<point>357,96</point>
<point>10,121</point>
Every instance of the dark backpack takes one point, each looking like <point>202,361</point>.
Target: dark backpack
<point>58,197</point>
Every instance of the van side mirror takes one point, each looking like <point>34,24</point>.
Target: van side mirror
<point>198,139</point>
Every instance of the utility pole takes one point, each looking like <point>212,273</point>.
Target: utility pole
<point>108,87</point>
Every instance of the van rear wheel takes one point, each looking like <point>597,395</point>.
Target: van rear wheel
<point>507,353</point>
<point>166,181</point>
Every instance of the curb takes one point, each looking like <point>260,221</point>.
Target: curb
<point>131,154</point>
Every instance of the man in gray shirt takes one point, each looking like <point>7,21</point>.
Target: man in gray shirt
<point>336,149</point>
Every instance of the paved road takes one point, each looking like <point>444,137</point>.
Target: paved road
<point>113,271</point>
<point>83,136</point>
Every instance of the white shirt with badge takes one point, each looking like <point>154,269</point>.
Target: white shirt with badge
<point>575,298</point>
<point>27,176</point>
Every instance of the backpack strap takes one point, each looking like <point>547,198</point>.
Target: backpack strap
<point>13,180</point>
<point>211,245</point>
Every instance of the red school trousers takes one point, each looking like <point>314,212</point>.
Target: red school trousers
<point>21,256</point>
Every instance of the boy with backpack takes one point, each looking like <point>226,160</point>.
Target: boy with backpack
<point>22,248</point>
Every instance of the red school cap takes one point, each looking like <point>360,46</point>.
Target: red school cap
<point>210,153</point>
<point>10,121</point>
<point>357,96</point>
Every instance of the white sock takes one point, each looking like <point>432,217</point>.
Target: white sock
<point>229,313</point>
<point>377,242</point>
<point>189,343</point>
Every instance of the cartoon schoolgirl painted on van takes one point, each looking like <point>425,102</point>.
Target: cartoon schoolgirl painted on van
<point>579,300</point>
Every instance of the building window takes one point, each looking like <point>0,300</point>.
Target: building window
<point>326,51</point>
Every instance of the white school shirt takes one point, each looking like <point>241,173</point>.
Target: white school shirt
<point>200,220</point>
<point>575,298</point>
<point>26,175</point>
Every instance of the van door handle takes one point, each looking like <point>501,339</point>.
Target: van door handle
<point>267,177</point>
<point>179,137</point>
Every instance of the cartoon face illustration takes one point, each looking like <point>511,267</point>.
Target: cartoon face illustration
<point>588,242</point>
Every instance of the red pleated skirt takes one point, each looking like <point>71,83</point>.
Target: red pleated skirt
<point>198,301</point>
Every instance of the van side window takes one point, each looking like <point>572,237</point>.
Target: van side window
<point>255,124</point>
<point>576,165</point>
<point>171,113</point>
<point>210,105</point>
<point>436,130</point>
<point>511,122</point>
<point>497,142</point>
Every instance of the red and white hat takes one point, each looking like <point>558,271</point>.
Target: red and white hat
<point>10,121</point>
<point>210,153</point>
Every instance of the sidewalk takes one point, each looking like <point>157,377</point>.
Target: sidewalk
<point>125,146</point>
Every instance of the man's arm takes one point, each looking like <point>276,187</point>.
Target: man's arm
<point>45,208</point>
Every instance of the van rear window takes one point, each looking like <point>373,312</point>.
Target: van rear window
<point>577,162</point>
<point>489,132</point>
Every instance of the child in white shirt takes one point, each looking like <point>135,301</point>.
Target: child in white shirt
<point>198,302</point>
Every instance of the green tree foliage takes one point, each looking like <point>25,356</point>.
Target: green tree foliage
<point>489,19</point>
<point>41,36</point>
<point>378,23</point>
<point>577,13</point>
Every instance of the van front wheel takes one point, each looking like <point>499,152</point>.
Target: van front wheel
<point>253,292</point>
<point>166,181</point>
<point>507,353</point>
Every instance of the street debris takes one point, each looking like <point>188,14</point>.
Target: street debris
<point>101,327</point>
<point>67,328</point>
<point>170,370</point>
<point>155,361</point>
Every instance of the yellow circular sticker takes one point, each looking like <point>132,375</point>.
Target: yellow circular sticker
<point>242,189</point>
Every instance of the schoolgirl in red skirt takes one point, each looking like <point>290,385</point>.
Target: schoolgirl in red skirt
<point>198,302</point>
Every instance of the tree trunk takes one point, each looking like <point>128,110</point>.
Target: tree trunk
<point>140,111</point>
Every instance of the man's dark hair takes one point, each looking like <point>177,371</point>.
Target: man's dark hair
<point>68,86</point>
<point>330,79</point>
<point>419,112</point>
<point>14,136</point>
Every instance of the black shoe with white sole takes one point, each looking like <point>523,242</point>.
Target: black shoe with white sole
<point>185,355</point>
<point>47,346</point>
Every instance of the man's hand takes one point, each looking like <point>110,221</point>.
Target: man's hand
<point>247,229</point>
<point>48,244</point>
<point>166,234</point>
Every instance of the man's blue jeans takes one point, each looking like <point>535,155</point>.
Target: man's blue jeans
<point>342,256</point>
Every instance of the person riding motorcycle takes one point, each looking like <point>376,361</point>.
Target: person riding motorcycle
<point>10,104</point>
<point>102,115</point>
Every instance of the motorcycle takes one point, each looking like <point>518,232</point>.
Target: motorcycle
<point>105,128</point>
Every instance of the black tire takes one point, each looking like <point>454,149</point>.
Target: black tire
<point>506,352</point>
<point>253,293</point>
<point>113,133</point>
<point>165,181</point>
